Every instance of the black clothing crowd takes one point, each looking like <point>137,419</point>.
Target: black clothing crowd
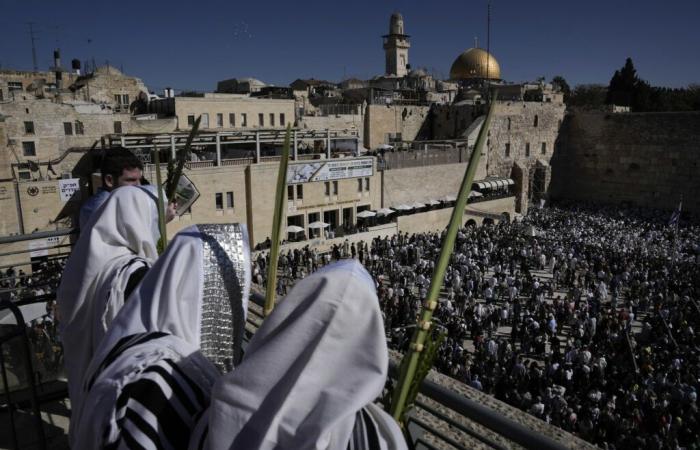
<point>583,316</point>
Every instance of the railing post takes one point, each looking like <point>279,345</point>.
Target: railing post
<point>218,149</point>
<point>257,147</point>
<point>295,152</point>
<point>328,143</point>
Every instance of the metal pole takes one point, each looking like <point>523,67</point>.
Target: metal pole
<point>328,143</point>
<point>410,363</point>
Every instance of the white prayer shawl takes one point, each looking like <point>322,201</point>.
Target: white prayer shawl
<point>118,240</point>
<point>316,362</point>
<point>168,302</point>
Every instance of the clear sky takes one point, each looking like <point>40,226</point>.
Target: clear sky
<point>191,45</point>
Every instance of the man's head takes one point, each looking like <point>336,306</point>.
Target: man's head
<point>120,167</point>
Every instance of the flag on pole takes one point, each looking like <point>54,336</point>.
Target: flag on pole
<point>675,217</point>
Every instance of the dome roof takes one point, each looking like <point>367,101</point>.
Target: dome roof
<point>475,63</point>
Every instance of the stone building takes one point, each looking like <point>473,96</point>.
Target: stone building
<point>225,111</point>
<point>246,85</point>
<point>108,86</point>
<point>15,84</point>
<point>396,45</point>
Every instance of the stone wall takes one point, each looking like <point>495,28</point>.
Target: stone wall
<point>520,144</point>
<point>381,121</point>
<point>522,141</point>
<point>420,184</point>
<point>649,159</point>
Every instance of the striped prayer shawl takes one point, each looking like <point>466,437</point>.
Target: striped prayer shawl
<point>158,409</point>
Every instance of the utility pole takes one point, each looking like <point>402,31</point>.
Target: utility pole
<point>31,36</point>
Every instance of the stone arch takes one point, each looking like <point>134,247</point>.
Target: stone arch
<point>470,223</point>
<point>505,217</point>
<point>487,221</point>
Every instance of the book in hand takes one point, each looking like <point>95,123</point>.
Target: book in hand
<point>186,194</point>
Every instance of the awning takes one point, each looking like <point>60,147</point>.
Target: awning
<point>365,214</point>
<point>402,207</point>
<point>385,212</point>
<point>493,183</point>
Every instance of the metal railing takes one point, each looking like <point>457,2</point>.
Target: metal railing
<point>9,333</point>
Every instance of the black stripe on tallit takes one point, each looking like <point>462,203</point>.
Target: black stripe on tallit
<point>120,347</point>
<point>201,398</point>
<point>143,426</point>
<point>372,437</point>
<point>149,394</point>
<point>134,280</point>
<point>178,391</point>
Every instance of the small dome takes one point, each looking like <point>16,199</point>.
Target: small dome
<point>475,63</point>
<point>417,73</point>
<point>396,23</point>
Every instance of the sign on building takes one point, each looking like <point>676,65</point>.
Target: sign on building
<point>68,187</point>
<point>329,170</point>
<point>40,247</point>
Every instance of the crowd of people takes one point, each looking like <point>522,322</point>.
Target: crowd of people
<point>43,280</point>
<point>583,316</point>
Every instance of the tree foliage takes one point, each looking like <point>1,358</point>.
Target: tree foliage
<point>560,83</point>
<point>588,96</point>
<point>627,89</point>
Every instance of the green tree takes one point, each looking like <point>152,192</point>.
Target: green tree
<point>622,87</point>
<point>588,96</point>
<point>563,86</point>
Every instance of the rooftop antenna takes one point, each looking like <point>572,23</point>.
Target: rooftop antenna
<point>476,42</point>
<point>32,37</point>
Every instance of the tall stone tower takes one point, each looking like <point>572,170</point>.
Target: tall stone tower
<point>396,47</point>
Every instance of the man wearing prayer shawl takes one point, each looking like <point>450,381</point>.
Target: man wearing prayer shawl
<point>109,259</point>
<point>310,374</point>
<point>308,379</point>
<point>151,376</point>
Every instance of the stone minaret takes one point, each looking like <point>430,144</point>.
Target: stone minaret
<point>396,47</point>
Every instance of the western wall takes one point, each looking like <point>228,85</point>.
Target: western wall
<point>648,159</point>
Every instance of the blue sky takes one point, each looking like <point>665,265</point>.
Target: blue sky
<point>191,45</point>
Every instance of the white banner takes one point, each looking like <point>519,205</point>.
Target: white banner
<point>329,170</point>
<point>40,246</point>
<point>66,188</point>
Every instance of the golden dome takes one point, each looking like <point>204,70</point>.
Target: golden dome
<point>475,63</point>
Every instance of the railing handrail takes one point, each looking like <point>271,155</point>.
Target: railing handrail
<point>37,235</point>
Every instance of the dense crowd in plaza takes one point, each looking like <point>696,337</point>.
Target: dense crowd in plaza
<point>43,280</point>
<point>583,316</point>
